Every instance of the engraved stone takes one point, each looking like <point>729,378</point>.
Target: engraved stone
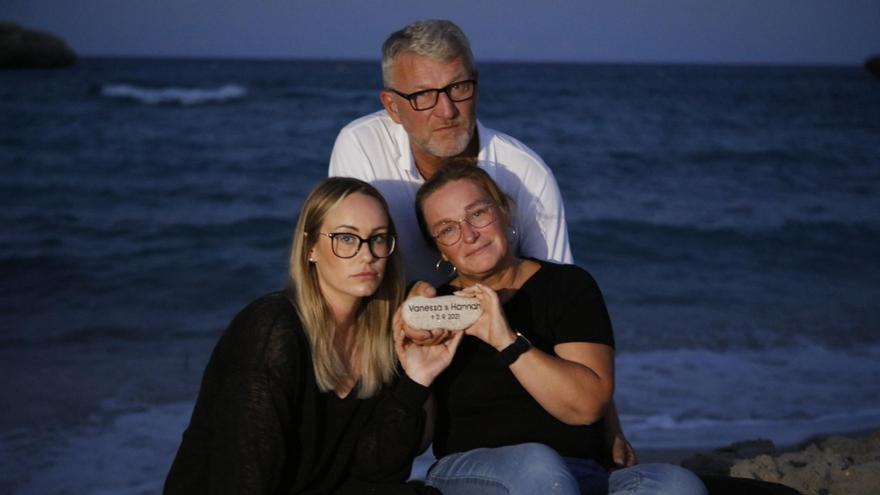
<point>449,312</point>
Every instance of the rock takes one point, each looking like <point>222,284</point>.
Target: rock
<point>719,461</point>
<point>750,448</point>
<point>872,64</point>
<point>835,465</point>
<point>449,312</point>
<point>762,467</point>
<point>863,479</point>
<point>25,48</point>
<point>711,464</point>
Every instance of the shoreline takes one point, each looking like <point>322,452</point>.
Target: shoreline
<point>676,455</point>
<point>825,463</point>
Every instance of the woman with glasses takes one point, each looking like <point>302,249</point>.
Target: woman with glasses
<point>518,409</point>
<point>303,393</point>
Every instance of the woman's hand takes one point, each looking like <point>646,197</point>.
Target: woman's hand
<point>619,452</point>
<point>492,327</point>
<point>424,337</point>
<point>423,363</point>
<point>623,454</point>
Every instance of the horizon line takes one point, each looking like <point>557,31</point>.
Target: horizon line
<point>358,60</point>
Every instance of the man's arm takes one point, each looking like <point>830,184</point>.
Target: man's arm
<point>522,174</point>
<point>540,214</point>
<point>551,237</point>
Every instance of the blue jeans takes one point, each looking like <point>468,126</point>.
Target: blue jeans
<point>532,468</point>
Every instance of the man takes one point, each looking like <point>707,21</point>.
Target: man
<point>430,99</point>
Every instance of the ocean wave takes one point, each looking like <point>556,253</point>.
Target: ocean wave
<point>700,398</point>
<point>130,455</point>
<point>664,242</point>
<point>795,228</point>
<point>174,95</point>
<point>664,431</point>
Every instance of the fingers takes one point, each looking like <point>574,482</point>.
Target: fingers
<point>399,336</point>
<point>399,346</point>
<point>631,458</point>
<point>470,291</point>
<point>438,336</point>
<point>479,291</point>
<point>426,337</point>
<point>623,453</point>
<point>420,337</point>
<point>422,288</point>
<point>398,333</point>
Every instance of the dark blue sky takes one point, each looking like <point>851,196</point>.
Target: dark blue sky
<point>730,31</point>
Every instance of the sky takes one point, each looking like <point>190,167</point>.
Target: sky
<point>641,31</point>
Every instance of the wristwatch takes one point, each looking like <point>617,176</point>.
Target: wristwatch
<point>511,353</point>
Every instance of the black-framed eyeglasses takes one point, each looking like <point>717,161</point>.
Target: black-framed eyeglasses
<point>426,99</point>
<point>346,245</point>
<point>479,216</point>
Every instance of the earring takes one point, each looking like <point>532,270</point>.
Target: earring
<point>311,260</point>
<point>450,272</point>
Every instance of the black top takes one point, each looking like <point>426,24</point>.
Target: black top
<point>262,426</point>
<point>481,403</point>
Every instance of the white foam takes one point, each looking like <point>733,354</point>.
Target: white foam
<point>130,455</point>
<point>174,95</point>
<point>699,398</point>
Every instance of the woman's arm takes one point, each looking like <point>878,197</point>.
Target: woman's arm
<point>575,386</point>
<point>390,440</point>
<point>398,430</point>
<point>236,439</point>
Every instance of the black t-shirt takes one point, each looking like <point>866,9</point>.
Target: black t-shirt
<point>481,403</point>
<point>262,425</point>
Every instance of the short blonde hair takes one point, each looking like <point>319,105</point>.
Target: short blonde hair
<point>374,340</point>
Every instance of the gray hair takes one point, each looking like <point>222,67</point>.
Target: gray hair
<point>437,39</point>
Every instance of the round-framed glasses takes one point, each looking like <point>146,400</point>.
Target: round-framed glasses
<point>346,245</point>
<point>479,216</point>
<point>426,99</point>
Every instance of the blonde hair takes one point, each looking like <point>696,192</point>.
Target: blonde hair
<point>374,343</point>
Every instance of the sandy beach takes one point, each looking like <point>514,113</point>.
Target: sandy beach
<point>830,464</point>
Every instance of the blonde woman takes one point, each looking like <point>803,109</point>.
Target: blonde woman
<point>303,392</point>
<point>520,409</point>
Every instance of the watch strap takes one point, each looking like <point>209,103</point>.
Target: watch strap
<point>511,353</point>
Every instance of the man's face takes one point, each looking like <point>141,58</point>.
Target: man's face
<point>444,130</point>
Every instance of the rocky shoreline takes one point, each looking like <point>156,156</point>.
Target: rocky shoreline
<point>833,465</point>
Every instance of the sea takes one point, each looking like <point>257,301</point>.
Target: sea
<point>730,214</point>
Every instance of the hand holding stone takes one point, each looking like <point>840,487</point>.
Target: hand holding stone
<point>447,312</point>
